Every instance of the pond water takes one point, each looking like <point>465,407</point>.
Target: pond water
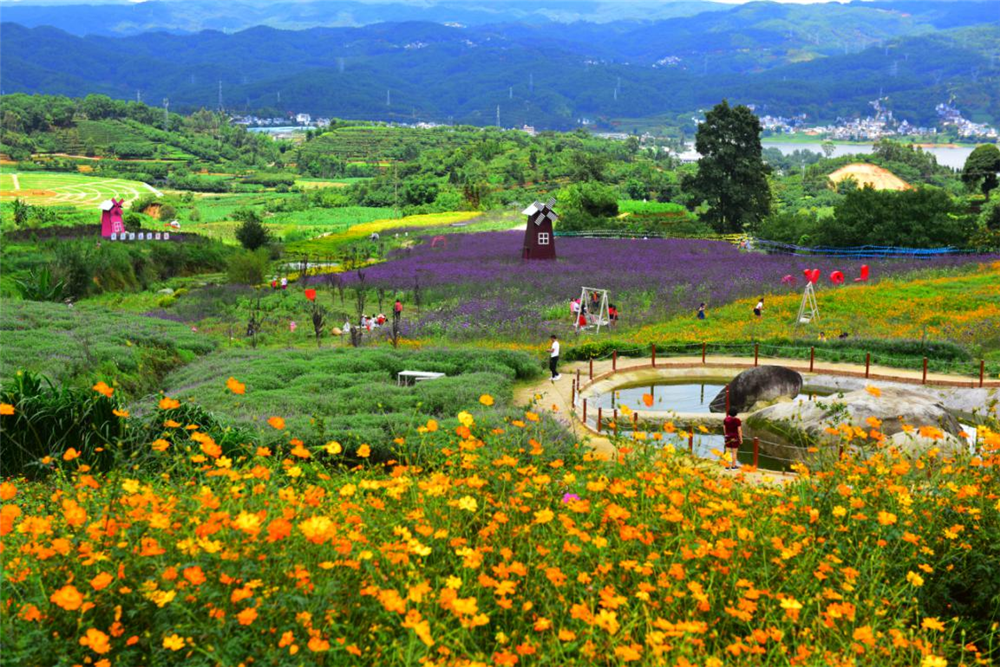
<point>667,396</point>
<point>946,155</point>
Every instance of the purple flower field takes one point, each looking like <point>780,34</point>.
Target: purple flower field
<point>477,285</point>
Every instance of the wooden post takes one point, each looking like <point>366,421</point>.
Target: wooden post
<point>691,442</point>
<point>868,362</point>
<point>703,348</point>
<point>653,354</point>
<point>756,451</point>
<point>756,348</point>
<point>635,421</point>
<point>591,368</point>
<point>727,399</point>
<point>584,411</point>
<point>812,358</point>
<point>599,420</point>
<point>982,371</point>
<point>572,393</point>
<point>614,421</point>
<point>614,361</point>
<point>924,380</point>
<point>577,378</point>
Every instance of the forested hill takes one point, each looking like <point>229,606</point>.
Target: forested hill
<point>823,60</point>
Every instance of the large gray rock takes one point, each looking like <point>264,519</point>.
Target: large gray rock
<point>801,422</point>
<point>764,383</point>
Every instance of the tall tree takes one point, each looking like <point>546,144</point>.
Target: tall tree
<point>981,168</point>
<point>732,176</point>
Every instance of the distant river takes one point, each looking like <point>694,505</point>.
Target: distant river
<point>278,130</point>
<point>949,156</point>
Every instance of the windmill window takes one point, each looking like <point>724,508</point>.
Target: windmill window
<point>543,238</point>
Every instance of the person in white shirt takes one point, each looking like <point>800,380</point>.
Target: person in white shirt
<point>554,358</point>
<point>759,308</point>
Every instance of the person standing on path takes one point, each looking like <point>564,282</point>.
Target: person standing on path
<point>733,429</point>
<point>554,358</point>
<point>701,311</point>
<point>759,308</point>
<point>397,311</point>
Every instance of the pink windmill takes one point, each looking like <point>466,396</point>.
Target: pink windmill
<point>111,218</point>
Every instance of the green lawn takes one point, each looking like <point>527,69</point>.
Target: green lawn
<point>64,189</point>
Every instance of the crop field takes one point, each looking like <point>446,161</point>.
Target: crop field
<point>52,189</point>
<point>870,174</point>
<point>329,244</point>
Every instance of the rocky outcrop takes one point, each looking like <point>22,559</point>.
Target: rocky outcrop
<point>761,384</point>
<point>806,422</point>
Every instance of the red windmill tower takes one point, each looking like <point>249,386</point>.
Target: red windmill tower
<point>539,240</point>
<point>111,218</point>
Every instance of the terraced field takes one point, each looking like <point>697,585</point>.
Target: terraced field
<point>59,189</point>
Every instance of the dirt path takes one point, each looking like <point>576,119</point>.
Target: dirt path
<point>17,183</point>
<point>556,397</point>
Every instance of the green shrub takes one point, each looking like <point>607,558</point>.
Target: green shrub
<point>248,267</point>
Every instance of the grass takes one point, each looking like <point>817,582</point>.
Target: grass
<point>331,244</point>
<point>81,345</point>
<point>504,549</point>
<point>961,308</point>
<point>39,188</point>
<point>346,394</point>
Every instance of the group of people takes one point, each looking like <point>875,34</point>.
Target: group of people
<point>283,283</point>
<point>585,314</point>
<point>373,322</point>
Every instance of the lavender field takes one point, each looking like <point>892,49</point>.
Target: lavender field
<point>476,285</point>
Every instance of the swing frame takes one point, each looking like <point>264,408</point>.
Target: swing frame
<point>808,309</point>
<point>602,318</point>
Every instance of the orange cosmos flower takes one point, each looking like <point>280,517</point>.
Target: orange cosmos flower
<point>67,597</point>
<point>120,413</point>
<point>318,645</point>
<point>364,451</point>
<point>432,425</point>
<point>874,391</point>
<point>173,642</point>
<point>486,400</point>
<point>647,400</point>
<point>6,409</point>
<point>235,386</point>
<point>71,454</point>
<point>167,403</point>
<point>103,389</point>
<point>97,641</point>
<point>160,445</point>
<point>195,575</point>
<point>7,490</point>
<point>101,581</point>
<point>276,422</point>
<point>247,616</point>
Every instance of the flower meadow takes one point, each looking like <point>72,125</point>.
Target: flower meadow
<point>497,549</point>
<point>477,285</point>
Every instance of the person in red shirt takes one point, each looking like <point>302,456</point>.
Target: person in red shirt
<point>733,429</point>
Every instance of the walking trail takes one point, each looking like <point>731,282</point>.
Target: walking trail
<point>17,183</point>
<point>556,397</point>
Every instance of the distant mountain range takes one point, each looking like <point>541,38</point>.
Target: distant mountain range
<point>826,60</point>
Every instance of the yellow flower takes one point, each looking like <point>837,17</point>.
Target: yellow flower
<point>934,661</point>
<point>173,642</point>
<point>544,516</point>
<point>333,447</point>
<point>874,391</point>
<point>468,503</point>
<point>364,451</point>
<point>486,400</point>
<point>932,624</point>
<point>466,419</point>
<point>915,579</point>
<point>6,409</point>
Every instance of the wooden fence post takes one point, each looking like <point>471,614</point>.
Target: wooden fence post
<point>614,421</point>
<point>982,371</point>
<point>868,363</point>
<point>585,411</point>
<point>756,452</point>
<point>599,415</point>
<point>614,361</point>
<point>572,393</point>
<point>577,378</point>
<point>591,368</point>
<point>924,380</point>
<point>812,358</point>
<point>691,442</point>
<point>703,348</point>
<point>756,349</point>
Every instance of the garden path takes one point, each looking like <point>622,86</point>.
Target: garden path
<point>17,183</point>
<point>556,397</point>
